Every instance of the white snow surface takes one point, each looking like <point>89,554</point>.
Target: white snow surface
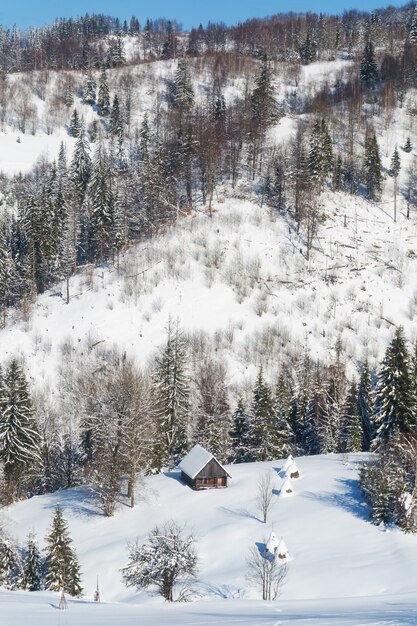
<point>343,569</point>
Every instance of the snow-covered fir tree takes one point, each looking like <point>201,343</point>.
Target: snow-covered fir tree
<point>265,430</point>
<point>283,404</point>
<point>240,435</point>
<point>413,27</point>
<point>62,569</point>
<point>32,574</point>
<point>395,393</point>
<point>103,95</point>
<point>81,165</point>
<point>183,90</point>
<point>262,98</point>
<point>90,88</point>
<point>408,146</point>
<point>19,437</point>
<point>102,203</point>
<point>74,125</point>
<point>369,74</point>
<point>213,421</point>
<point>372,166</point>
<point>116,126</point>
<point>10,562</point>
<point>320,156</point>
<point>365,402</point>
<point>308,50</point>
<point>171,394</point>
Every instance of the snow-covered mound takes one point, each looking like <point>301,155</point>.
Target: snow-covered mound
<point>336,553</point>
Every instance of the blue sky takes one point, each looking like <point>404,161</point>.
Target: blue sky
<point>26,13</point>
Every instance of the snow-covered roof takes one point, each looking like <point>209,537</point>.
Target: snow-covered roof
<point>287,463</point>
<point>282,548</point>
<point>272,543</point>
<point>286,487</point>
<point>195,460</point>
<point>292,469</point>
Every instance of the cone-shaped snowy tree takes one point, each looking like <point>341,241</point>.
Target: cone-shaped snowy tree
<point>369,70</point>
<point>62,570</point>
<point>19,438</point>
<point>10,563</point>
<point>183,92</point>
<point>239,435</point>
<point>372,166</point>
<point>81,165</point>
<point>32,567</point>
<point>395,397</point>
<point>103,97</point>
<point>171,393</point>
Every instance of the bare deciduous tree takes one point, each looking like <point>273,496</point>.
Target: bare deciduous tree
<point>267,573</point>
<point>265,494</point>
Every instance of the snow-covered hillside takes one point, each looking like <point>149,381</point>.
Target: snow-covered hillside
<point>343,570</point>
<point>240,284</point>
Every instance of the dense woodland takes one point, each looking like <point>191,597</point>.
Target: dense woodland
<point>126,182</point>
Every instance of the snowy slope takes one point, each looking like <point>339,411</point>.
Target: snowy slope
<point>341,565</point>
<point>240,284</point>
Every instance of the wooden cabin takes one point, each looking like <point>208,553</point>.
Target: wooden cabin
<point>201,470</point>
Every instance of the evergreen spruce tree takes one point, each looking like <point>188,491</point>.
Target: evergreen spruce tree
<point>283,412</point>
<point>183,91</point>
<point>262,99</point>
<point>6,277</point>
<point>102,203</point>
<point>264,434</point>
<point>19,438</point>
<point>408,145</point>
<point>413,27</point>
<point>338,173</point>
<point>372,166</point>
<point>10,562</point>
<point>171,394</point>
<point>382,510</point>
<point>240,435</point>
<point>308,50</point>
<point>212,409</point>
<point>74,125</point>
<point>394,170</point>
<point>369,75</point>
<point>116,124</point>
<point>366,407</point>
<point>103,97</point>
<point>31,579</point>
<point>90,88</point>
<point>81,165</point>
<point>62,569</point>
<point>352,434</point>
<point>320,155</point>
<point>395,395</point>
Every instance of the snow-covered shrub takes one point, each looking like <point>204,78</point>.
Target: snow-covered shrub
<point>164,562</point>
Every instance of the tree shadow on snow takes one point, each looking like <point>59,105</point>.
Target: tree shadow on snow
<point>240,513</point>
<point>79,501</point>
<point>350,500</point>
<point>226,592</point>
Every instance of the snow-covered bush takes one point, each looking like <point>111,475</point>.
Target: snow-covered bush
<point>167,560</point>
